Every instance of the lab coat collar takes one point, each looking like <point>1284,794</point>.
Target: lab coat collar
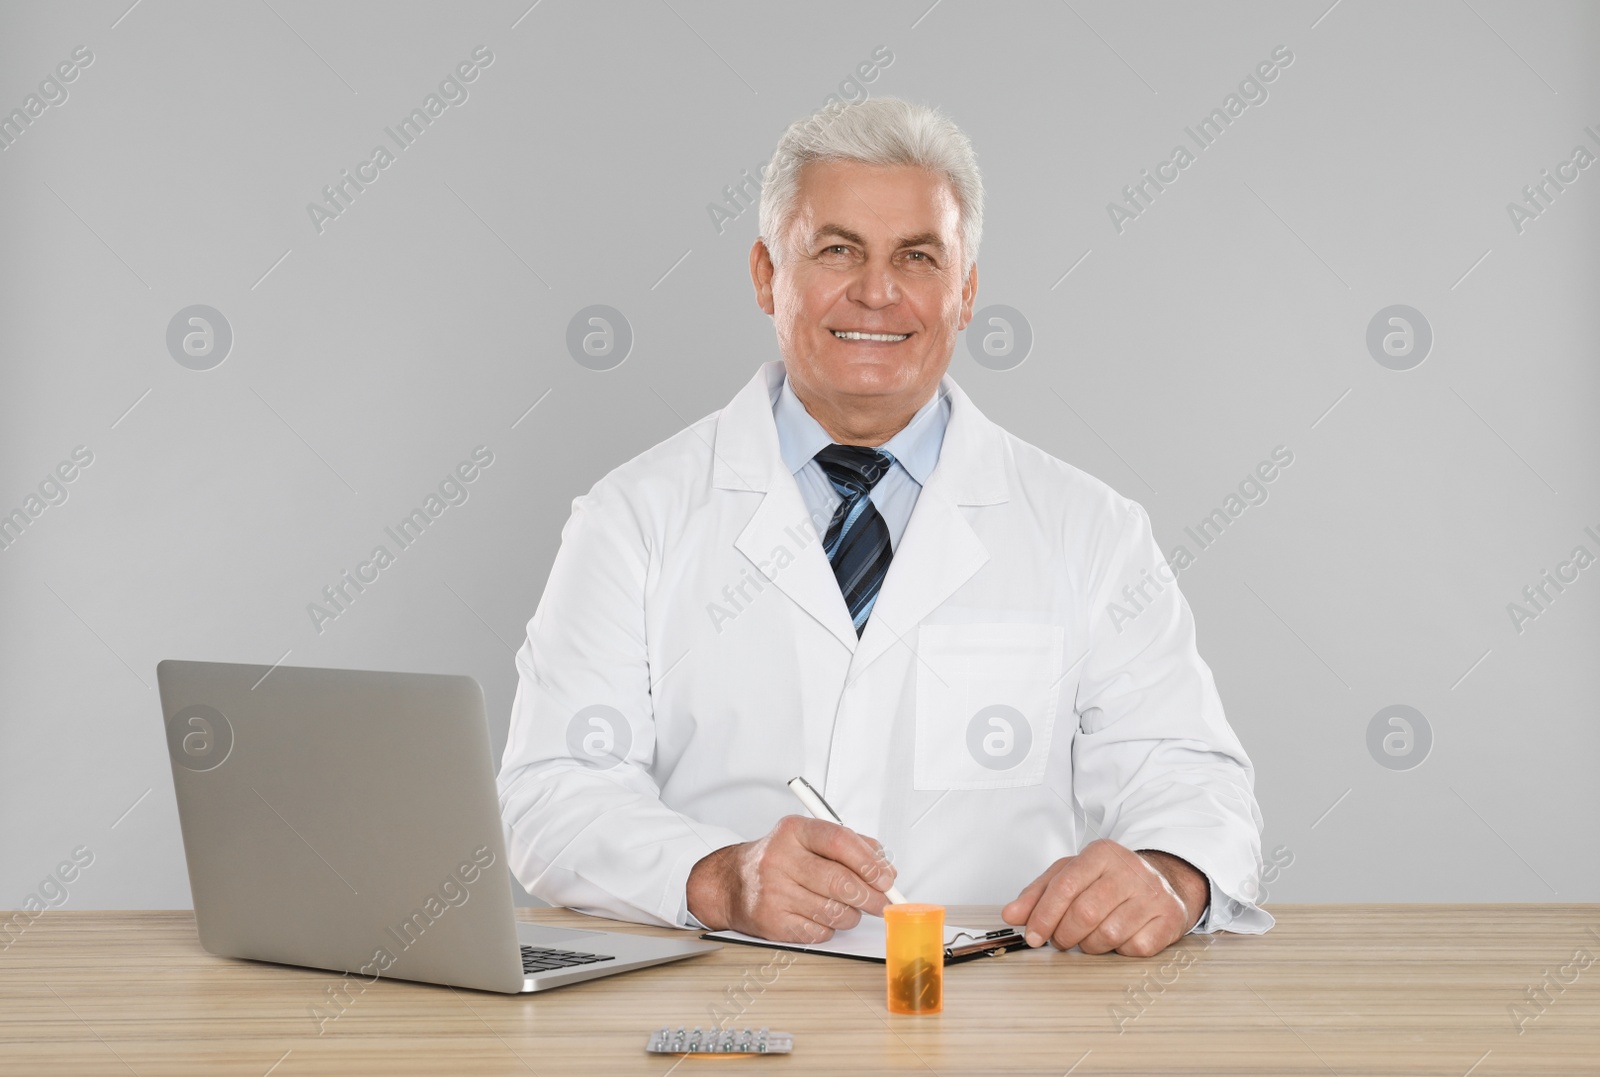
<point>937,554</point>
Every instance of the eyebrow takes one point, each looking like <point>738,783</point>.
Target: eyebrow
<point>921,239</point>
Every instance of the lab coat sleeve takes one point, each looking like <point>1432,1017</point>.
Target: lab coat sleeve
<point>586,829</point>
<point>1155,763</point>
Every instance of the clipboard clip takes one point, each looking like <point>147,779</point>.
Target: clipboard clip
<point>989,944</point>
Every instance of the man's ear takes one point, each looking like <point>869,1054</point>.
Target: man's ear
<point>761,272</point>
<point>969,293</point>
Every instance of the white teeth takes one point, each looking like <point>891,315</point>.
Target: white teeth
<point>888,337</point>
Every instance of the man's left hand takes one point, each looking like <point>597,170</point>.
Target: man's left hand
<point>1111,898</point>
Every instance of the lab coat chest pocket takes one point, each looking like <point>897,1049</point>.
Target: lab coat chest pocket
<point>986,704</point>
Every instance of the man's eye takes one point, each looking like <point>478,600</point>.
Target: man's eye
<point>917,254</point>
<point>835,247</point>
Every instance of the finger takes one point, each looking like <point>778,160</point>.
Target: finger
<point>875,903</point>
<point>816,863</point>
<point>1155,936</point>
<point>836,916</point>
<point>793,879</point>
<point>793,927</point>
<point>848,887</point>
<point>861,855</point>
<point>829,913</point>
<point>840,844</point>
<point>1088,908</point>
<point>1060,894</point>
<point>796,880</point>
<point>1113,928</point>
<point>1021,906</point>
<point>789,912</point>
<point>880,870</point>
<point>832,881</point>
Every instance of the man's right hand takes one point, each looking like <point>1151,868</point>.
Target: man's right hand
<point>797,884</point>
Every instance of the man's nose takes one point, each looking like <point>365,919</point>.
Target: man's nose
<point>875,286</point>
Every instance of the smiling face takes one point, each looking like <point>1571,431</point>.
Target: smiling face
<point>870,295</point>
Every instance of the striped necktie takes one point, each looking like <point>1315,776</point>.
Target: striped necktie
<point>857,542</point>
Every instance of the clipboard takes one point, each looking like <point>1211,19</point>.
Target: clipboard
<point>985,944</point>
<point>961,944</point>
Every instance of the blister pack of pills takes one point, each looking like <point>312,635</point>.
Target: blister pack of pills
<point>719,1041</point>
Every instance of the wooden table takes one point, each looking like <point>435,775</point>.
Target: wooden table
<point>1346,989</point>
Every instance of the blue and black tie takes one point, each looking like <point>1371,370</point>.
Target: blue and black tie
<point>857,542</point>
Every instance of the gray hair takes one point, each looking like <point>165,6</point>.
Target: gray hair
<point>878,131</point>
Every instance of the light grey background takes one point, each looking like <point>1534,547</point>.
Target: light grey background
<point>1229,319</point>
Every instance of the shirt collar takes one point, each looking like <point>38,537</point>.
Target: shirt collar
<point>915,448</point>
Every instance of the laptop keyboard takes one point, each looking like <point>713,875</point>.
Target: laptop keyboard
<point>541,959</point>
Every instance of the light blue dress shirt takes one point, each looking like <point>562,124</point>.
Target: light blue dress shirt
<point>915,450</point>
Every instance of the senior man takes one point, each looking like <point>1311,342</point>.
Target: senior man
<point>851,574</point>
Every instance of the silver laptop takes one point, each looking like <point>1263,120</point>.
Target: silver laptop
<point>349,820</point>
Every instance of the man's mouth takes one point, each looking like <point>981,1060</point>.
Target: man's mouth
<point>887,338</point>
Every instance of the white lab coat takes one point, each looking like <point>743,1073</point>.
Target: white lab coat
<point>994,716</point>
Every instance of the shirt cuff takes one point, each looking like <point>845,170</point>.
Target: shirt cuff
<point>1203,925</point>
<point>1225,913</point>
<point>687,918</point>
